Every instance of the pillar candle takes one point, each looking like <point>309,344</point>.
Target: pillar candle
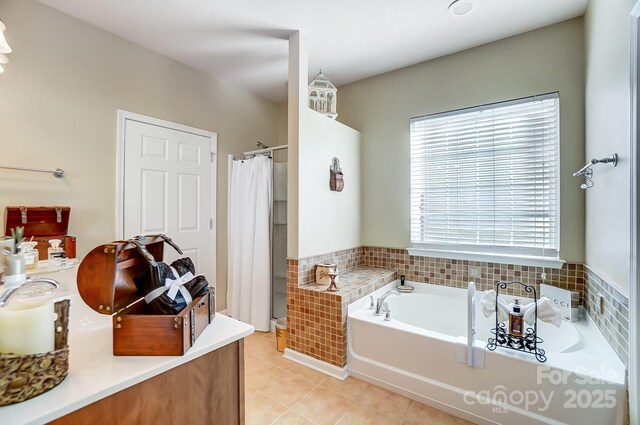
<point>27,329</point>
<point>15,273</point>
<point>5,243</point>
<point>15,265</point>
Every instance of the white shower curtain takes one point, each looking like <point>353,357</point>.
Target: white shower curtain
<point>249,241</point>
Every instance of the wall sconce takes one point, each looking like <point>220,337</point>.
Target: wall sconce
<point>336,178</point>
<point>4,48</point>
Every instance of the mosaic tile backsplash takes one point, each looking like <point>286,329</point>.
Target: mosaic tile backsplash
<point>346,260</point>
<point>613,322</point>
<point>317,319</point>
<point>441,271</point>
<point>314,322</point>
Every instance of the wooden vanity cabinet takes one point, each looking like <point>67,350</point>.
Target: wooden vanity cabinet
<point>208,390</point>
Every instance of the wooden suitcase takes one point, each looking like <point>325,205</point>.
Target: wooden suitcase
<point>105,283</point>
<point>43,223</point>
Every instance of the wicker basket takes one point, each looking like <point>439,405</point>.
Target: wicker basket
<point>26,376</point>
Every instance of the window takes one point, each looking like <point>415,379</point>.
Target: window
<point>485,180</point>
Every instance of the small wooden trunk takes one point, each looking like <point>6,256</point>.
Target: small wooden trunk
<point>43,223</point>
<point>105,283</point>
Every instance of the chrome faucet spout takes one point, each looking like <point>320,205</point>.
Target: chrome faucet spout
<point>380,302</point>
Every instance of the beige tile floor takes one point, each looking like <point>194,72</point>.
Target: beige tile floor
<point>281,392</point>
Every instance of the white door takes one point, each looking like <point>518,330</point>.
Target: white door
<point>167,188</point>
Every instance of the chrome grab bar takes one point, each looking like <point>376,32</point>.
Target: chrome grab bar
<point>471,321</point>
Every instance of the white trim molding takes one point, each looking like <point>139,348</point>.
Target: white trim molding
<point>340,373</point>
<point>634,277</point>
<point>122,117</point>
<point>520,260</point>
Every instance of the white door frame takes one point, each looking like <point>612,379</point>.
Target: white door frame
<point>123,117</point>
<point>634,282</point>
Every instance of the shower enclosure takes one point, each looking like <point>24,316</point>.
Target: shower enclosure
<point>279,236</point>
<point>258,202</point>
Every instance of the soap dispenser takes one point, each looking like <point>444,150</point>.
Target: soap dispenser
<point>516,327</point>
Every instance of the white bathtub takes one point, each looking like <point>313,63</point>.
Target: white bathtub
<point>582,381</point>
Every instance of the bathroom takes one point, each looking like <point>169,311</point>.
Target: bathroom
<point>71,70</point>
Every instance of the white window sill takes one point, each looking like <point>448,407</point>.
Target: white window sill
<point>521,260</point>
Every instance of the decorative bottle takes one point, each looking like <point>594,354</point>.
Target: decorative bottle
<point>55,251</point>
<point>516,327</point>
<point>30,253</point>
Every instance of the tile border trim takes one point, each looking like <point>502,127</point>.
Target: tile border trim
<point>321,366</point>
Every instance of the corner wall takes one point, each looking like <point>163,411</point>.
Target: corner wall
<point>58,101</point>
<point>328,221</point>
<point>319,220</point>
<point>607,130</point>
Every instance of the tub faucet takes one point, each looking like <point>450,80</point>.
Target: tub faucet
<point>380,302</point>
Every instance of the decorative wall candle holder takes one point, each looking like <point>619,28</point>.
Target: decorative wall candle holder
<point>336,178</point>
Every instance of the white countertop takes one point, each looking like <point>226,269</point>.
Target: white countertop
<point>94,373</point>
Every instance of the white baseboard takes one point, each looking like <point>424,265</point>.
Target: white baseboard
<point>315,364</point>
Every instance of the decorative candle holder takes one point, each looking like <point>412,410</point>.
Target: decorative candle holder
<point>26,376</point>
<point>322,273</point>
<point>332,286</point>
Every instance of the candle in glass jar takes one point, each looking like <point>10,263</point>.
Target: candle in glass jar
<point>6,245</point>
<point>15,265</point>
<point>27,329</point>
<point>15,273</point>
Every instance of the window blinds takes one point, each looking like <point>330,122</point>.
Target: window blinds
<point>486,179</point>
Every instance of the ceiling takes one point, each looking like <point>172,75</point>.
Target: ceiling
<point>245,41</point>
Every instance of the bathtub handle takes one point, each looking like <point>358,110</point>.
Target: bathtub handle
<point>372,304</point>
<point>387,312</point>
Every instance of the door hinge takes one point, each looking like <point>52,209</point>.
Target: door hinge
<point>210,223</point>
<point>213,156</point>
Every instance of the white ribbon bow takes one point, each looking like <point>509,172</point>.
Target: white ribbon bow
<point>172,287</point>
<point>176,285</point>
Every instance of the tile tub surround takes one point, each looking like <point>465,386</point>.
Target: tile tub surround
<point>317,319</point>
<point>356,283</point>
<point>346,260</point>
<point>614,321</point>
<point>448,272</point>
